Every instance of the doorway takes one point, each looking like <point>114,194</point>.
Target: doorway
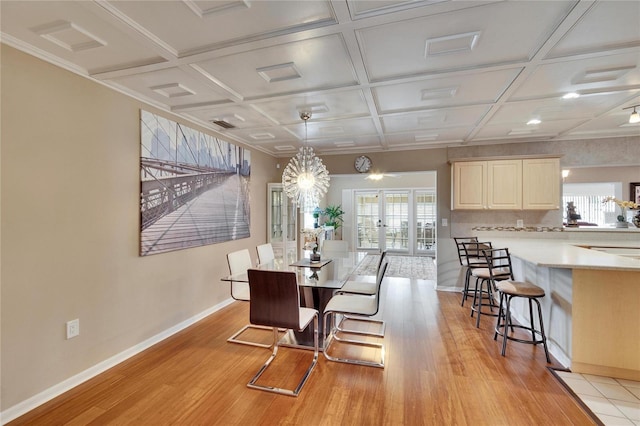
<point>399,221</point>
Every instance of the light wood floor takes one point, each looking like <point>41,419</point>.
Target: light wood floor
<point>440,370</point>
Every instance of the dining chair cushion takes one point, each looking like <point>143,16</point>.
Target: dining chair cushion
<point>353,304</point>
<point>306,316</point>
<point>359,287</point>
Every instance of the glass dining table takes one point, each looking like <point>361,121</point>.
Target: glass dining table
<point>318,282</point>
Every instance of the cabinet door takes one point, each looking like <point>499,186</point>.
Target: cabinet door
<point>504,184</point>
<point>281,223</point>
<point>541,184</point>
<point>469,185</point>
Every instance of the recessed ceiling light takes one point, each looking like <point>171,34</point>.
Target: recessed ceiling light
<point>533,121</point>
<point>571,95</point>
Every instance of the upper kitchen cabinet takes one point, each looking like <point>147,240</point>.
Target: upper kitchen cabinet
<point>510,184</point>
<point>541,184</point>
<point>470,185</point>
<point>504,184</point>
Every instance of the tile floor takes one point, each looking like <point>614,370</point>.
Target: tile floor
<point>613,401</point>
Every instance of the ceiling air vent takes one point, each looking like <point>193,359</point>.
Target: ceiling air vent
<point>223,124</point>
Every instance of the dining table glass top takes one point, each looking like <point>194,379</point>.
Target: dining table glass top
<point>332,274</point>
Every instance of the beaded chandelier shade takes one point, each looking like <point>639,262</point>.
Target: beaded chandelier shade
<point>305,179</point>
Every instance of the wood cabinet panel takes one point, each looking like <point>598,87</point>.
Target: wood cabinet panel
<point>541,184</point>
<point>470,183</point>
<point>510,184</point>
<point>504,184</point>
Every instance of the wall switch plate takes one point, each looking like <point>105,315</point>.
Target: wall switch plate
<point>73,328</point>
<point>445,222</point>
<point>519,223</point>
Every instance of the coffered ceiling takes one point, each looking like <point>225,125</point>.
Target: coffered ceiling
<point>376,75</point>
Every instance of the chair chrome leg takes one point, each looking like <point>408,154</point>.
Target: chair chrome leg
<point>234,337</point>
<point>382,326</point>
<point>289,392</point>
<point>332,336</point>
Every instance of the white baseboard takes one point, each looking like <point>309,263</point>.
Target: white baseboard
<point>27,405</point>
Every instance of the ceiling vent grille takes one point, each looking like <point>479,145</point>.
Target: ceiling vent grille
<point>223,124</point>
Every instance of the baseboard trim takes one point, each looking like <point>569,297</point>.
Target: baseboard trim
<point>35,401</point>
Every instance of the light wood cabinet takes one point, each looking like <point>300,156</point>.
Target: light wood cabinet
<point>541,184</point>
<point>504,184</point>
<point>510,184</point>
<point>470,185</point>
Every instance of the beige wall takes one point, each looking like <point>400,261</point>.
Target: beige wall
<point>623,174</point>
<point>69,224</point>
<point>623,153</point>
<point>70,218</point>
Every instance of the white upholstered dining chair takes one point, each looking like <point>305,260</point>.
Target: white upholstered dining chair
<point>362,307</point>
<point>334,246</point>
<point>239,263</point>
<point>265,253</point>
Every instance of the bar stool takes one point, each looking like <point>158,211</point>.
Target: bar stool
<point>508,290</point>
<point>462,258</point>
<point>496,268</point>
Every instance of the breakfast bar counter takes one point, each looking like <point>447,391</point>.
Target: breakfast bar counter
<point>592,304</point>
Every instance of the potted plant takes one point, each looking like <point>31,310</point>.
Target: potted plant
<point>624,205</point>
<point>334,216</point>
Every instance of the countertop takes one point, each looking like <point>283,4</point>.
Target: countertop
<point>566,253</point>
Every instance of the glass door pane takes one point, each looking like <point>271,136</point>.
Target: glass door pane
<point>281,223</point>
<point>395,223</point>
<point>425,221</point>
<point>367,217</point>
<point>275,229</point>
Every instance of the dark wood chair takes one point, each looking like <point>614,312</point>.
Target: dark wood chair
<point>275,302</point>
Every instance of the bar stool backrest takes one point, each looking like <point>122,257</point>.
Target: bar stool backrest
<point>498,261</point>
<point>473,256</point>
<point>460,246</point>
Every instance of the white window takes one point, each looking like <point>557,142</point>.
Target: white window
<point>587,197</point>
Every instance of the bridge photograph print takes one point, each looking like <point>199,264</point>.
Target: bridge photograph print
<point>194,188</point>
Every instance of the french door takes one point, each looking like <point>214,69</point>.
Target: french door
<point>399,221</point>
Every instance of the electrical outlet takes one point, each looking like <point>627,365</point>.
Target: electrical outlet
<point>73,328</point>
<point>519,223</point>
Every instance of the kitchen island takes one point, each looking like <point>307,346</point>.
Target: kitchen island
<point>592,305</point>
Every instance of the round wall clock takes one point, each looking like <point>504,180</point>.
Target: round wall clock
<point>363,164</point>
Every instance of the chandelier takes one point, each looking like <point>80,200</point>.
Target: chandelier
<point>305,179</point>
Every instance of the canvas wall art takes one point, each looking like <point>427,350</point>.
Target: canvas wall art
<point>194,188</point>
